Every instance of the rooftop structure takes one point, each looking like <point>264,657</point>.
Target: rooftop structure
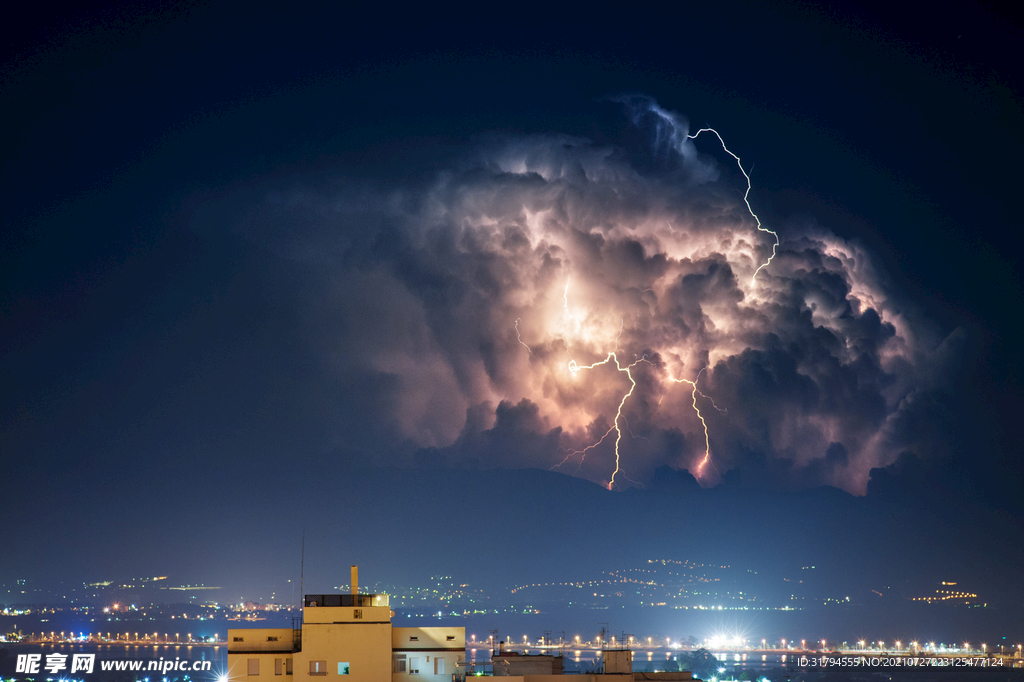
<point>351,635</point>
<point>345,634</point>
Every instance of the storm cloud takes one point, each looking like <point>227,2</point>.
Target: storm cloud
<point>518,305</point>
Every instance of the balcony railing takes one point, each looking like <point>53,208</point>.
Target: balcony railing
<point>347,600</point>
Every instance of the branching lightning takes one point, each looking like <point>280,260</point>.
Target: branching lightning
<point>651,230</point>
<point>746,199</point>
<point>612,356</point>
<point>616,425</point>
<point>620,420</point>
<point>575,369</point>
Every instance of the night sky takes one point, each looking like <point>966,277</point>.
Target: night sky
<point>249,250</point>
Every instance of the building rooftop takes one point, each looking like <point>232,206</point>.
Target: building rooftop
<point>346,600</point>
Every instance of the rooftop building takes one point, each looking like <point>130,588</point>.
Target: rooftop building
<point>351,635</point>
<point>345,634</point>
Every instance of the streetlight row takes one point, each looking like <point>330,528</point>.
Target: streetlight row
<point>736,643</point>
<point>70,636</point>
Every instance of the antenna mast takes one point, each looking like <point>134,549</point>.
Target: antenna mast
<point>302,573</point>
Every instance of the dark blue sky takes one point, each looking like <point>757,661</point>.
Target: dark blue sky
<point>157,336</point>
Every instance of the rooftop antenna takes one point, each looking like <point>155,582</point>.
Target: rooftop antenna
<point>302,574</point>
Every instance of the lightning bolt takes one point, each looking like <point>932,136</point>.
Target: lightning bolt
<point>583,452</point>
<point>746,200</point>
<point>620,420</point>
<point>521,342</point>
<point>576,369</point>
<point>707,440</point>
<point>617,428</point>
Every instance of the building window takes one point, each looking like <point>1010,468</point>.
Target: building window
<point>450,638</point>
<point>438,665</point>
<point>318,667</point>
<point>357,614</point>
<point>413,638</point>
<point>343,668</point>
<point>288,666</point>
<point>271,639</point>
<point>414,665</point>
<point>254,666</point>
<point>239,639</point>
<point>278,667</point>
<point>400,663</point>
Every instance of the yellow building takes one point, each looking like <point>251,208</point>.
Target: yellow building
<point>345,634</point>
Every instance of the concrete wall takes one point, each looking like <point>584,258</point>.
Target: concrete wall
<point>266,639</point>
<point>428,638</point>
<point>430,649</point>
<point>365,646</point>
<point>240,665</point>
<point>346,614</point>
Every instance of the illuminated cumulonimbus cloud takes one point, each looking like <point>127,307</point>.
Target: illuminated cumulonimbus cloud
<point>481,291</point>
